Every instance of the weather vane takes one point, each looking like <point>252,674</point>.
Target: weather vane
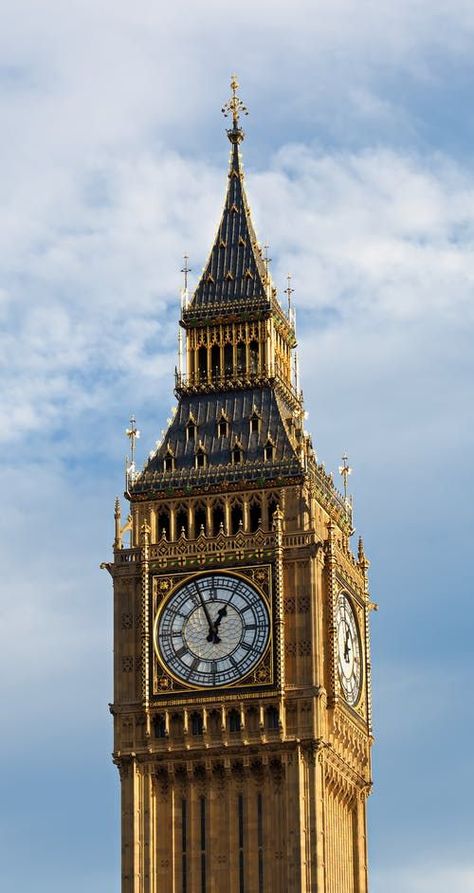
<point>133,434</point>
<point>289,291</point>
<point>234,106</point>
<point>186,270</point>
<point>345,471</point>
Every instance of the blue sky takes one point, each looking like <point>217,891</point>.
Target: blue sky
<point>360,177</point>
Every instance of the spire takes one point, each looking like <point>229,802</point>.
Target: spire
<point>235,270</point>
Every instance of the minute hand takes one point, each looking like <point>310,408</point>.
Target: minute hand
<point>203,603</point>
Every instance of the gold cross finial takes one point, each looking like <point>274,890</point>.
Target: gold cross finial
<point>345,471</point>
<point>234,106</point>
<point>288,292</point>
<point>186,270</point>
<point>133,434</point>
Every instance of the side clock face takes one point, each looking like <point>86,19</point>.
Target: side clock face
<point>212,630</point>
<point>348,650</point>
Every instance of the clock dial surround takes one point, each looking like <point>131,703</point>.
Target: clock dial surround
<point>212,630</point>
<point>348,650</point>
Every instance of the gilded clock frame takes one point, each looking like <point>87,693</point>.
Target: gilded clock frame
<point>262,677</point>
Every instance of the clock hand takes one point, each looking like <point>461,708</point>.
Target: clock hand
<point>213,637</point>
<point>203,603</point>
<point>347,647</point>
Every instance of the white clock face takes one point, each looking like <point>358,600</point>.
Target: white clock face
<point>348,650</point>
<point>212,630</point>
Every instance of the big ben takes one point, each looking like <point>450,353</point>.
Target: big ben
<point>242,717</point>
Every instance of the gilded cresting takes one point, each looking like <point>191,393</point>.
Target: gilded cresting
<point>243,751</point>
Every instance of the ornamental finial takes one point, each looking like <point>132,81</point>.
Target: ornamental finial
<point>235,107</point>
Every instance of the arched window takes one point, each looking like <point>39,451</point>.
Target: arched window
<point>228,359</point>
<point>201,459</point>
<point>196,723</point>
<point>255,515</point>
<point>252,719</point>
<point>272,507</point>
<point>237,455</point>
<point>254,423</point>
<point>236,517</point>
<point>215,360</point>
<point>218,519</point>
<point>199,520</point>
<point>268,451</point>
<point>234,721</point>
<point>163,523</point>
<point>241,352</point>
<point>191,431</point>
<point>181,522</point>
<point>223,427</point>
<point>159,726</point>
<point>253,357</point>
<point>169,461</point>
<point>202,361</point>
<point>272,718</point>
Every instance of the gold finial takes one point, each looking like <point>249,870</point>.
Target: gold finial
<point>345,471</point>
<point>133,434</point>
<point>288,292</point>
<point>235,107</point>
<point>186,270</point>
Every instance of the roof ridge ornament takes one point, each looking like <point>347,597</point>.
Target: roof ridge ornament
<point>235,107</point>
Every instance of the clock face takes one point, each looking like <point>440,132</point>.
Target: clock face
<point>212,630</point>
<point>348,650</point>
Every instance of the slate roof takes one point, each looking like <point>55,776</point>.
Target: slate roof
<point>235,270</point>
<point>205,410</point>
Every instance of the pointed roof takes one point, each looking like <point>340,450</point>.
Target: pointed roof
<point>235,271</point>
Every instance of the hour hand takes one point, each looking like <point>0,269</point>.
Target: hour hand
<point>213,637</point>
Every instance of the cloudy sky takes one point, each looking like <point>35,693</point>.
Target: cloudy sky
<point>360,177</point>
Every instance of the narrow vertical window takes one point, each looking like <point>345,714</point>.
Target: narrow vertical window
<point>184,847</point>
<point>260,842</point>
<point>202,803</point>
<point>241,844</point>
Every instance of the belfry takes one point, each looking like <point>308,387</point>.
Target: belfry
<point>242,717</point>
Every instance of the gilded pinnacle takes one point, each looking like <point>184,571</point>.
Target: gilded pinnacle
<point>235,107</point>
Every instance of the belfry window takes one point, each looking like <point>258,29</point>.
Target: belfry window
<point>163,524</point>
<point>202,361</point>
<point>228,359</point>
<point>215,360</point>
<point>181,522</point>
<point>241,352</point>
<point>255,515</point>
<point>253,357</point>
<point>218,519</point>
<point>199,520</point>
<point>236,517</point>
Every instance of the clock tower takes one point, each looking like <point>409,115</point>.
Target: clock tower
<point>242,724</point>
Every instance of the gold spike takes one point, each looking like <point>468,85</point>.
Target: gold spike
<point>222,244</point>
<point>210,278</point>
<point>234,208</point>
<point>248,274</point>
<point>242,240</point>
<point>229,275</point>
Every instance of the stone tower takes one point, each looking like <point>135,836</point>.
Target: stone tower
<point>242,726</point>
